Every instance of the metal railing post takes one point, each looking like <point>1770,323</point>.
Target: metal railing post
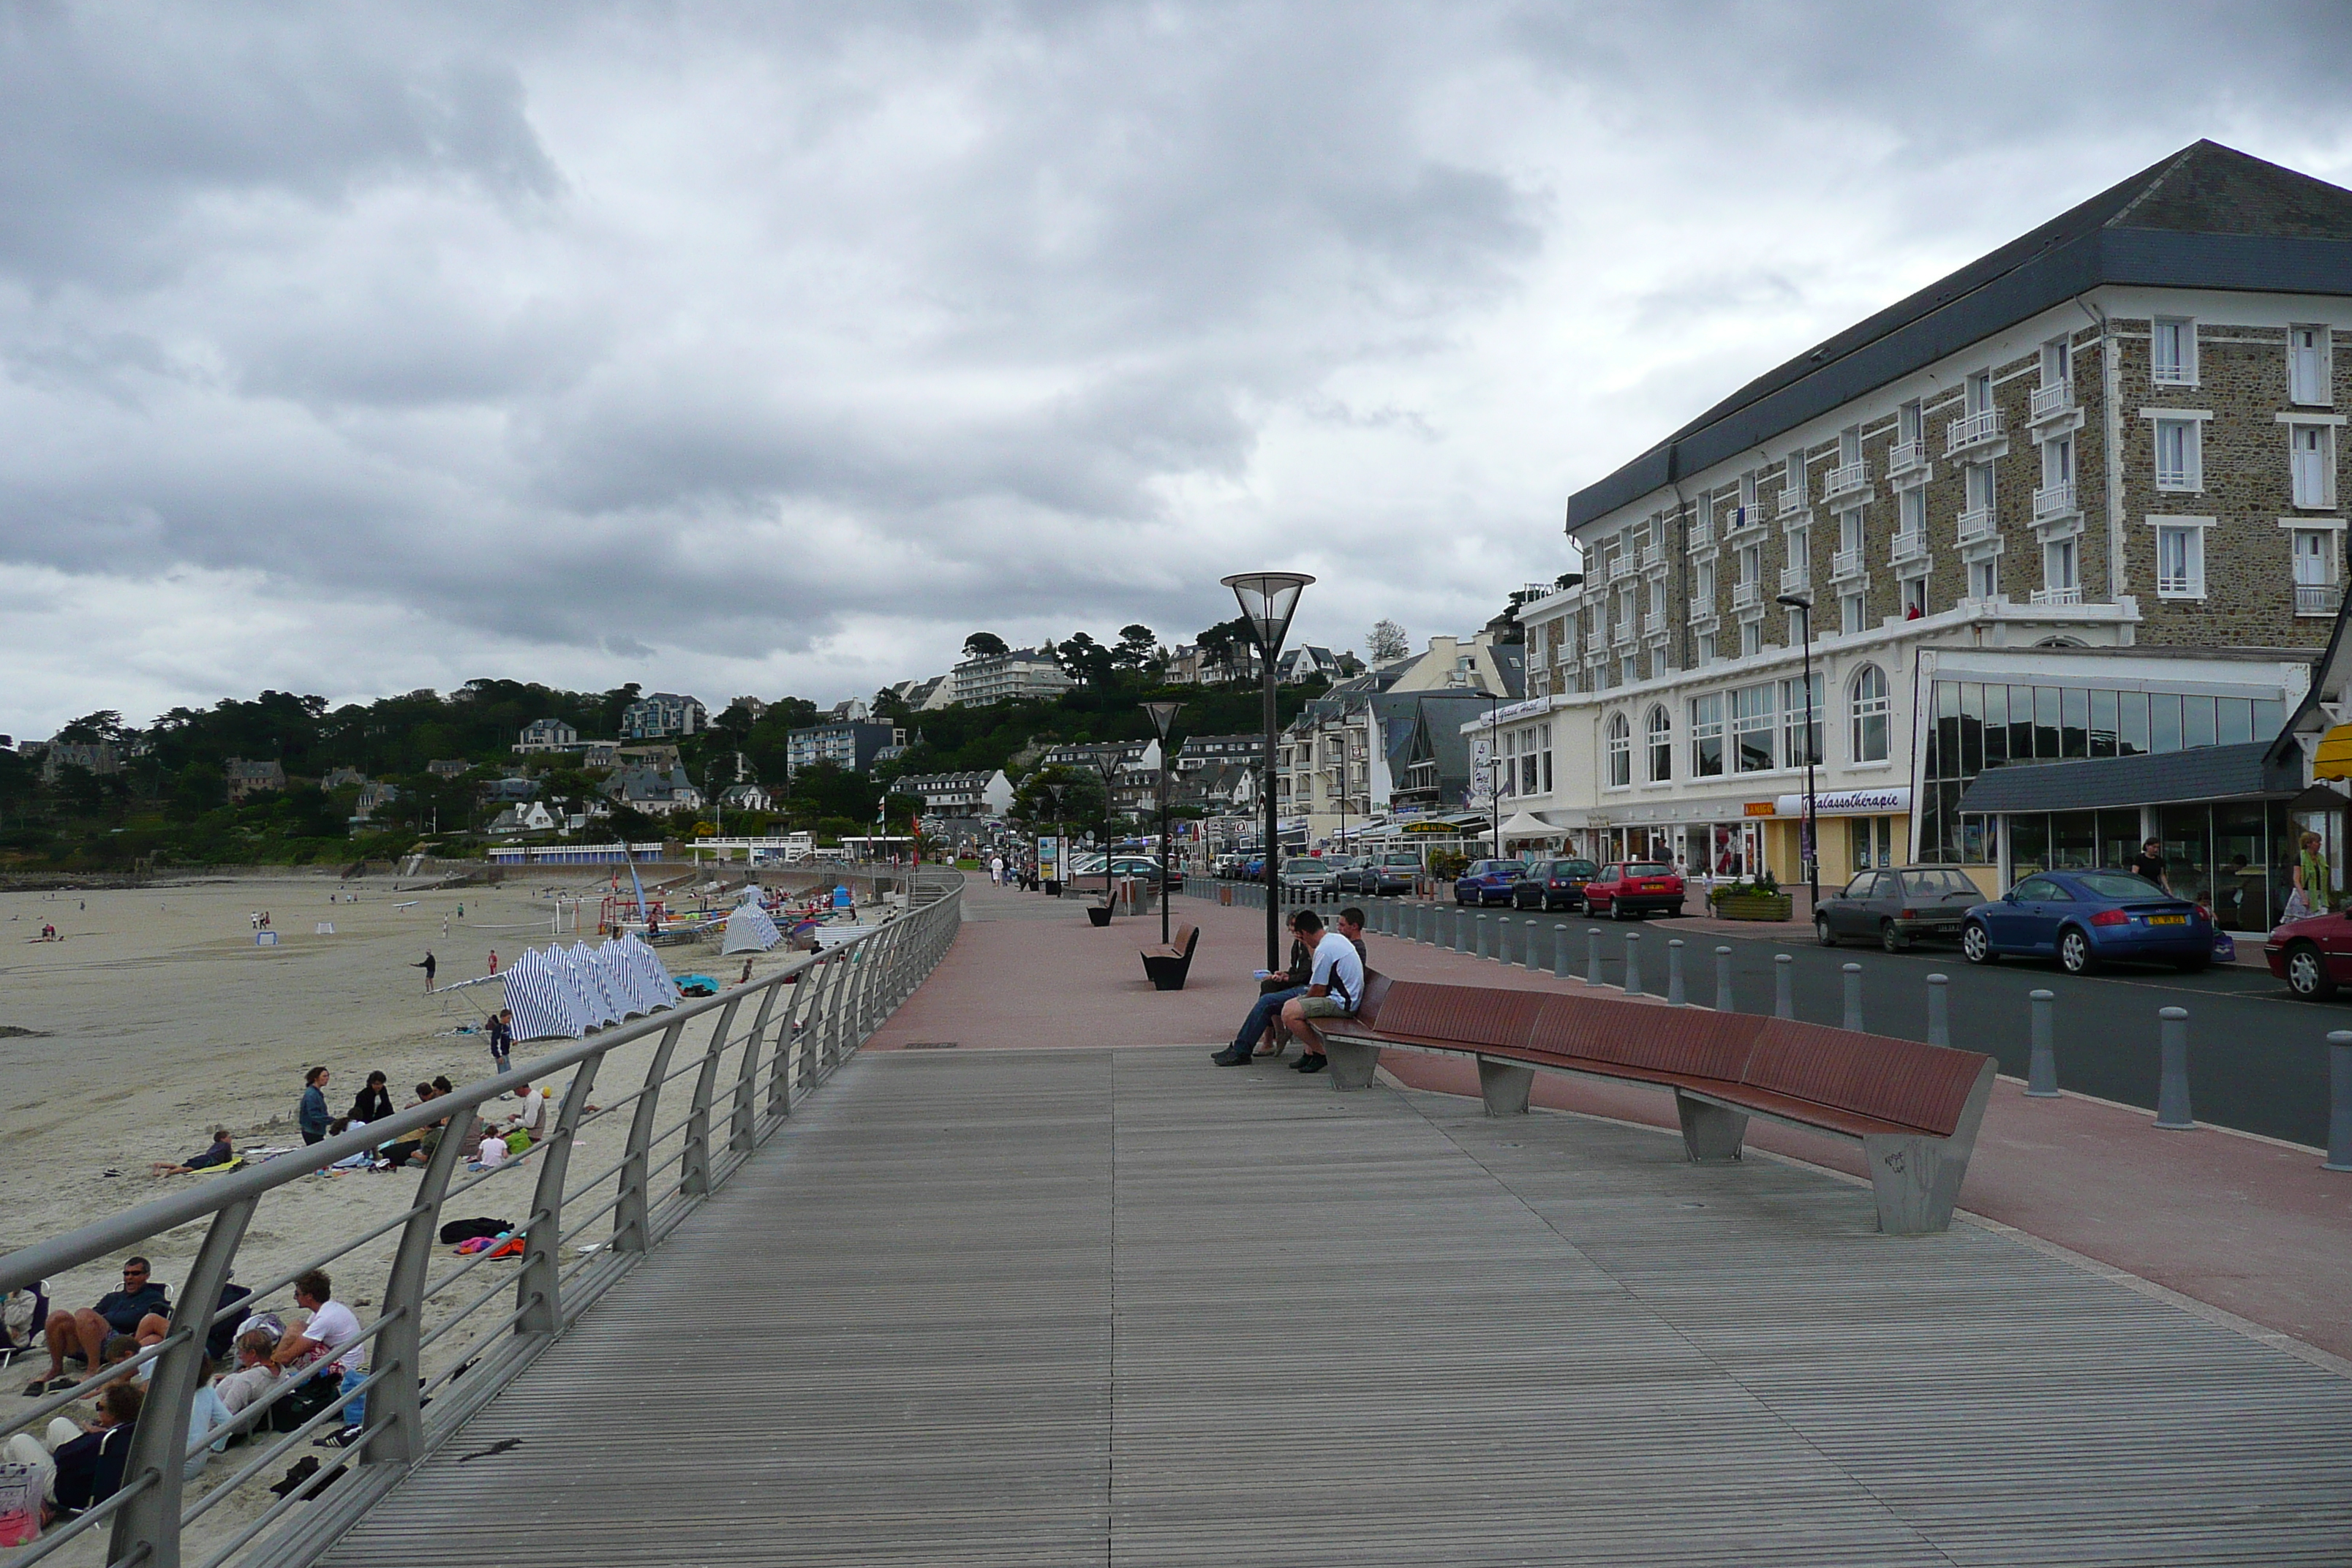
<point>2339,1101</point>
<point>1853,1020</point>
<point>1723,980</point>
<point>1531,952</point>
<point>397,1353</point>
<point>2042,1070</point>
<point>150,1519</point>
<point>1674,997</point>
<point>1939,1010</point>
<point>694,1158</point>
<point>2172,1112</point>
<point>742,1129</point>
<point>1560,966</point>
<point>1633,963</point>
<point>630,1232</point>
<point>1784,993</point>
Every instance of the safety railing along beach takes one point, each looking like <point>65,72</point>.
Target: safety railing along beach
<point>451,1333</point>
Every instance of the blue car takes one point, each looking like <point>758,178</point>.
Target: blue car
<point>2085,919</point>
<point>1488,881</point>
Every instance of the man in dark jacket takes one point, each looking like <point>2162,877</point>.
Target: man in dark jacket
<point>83,1335</point>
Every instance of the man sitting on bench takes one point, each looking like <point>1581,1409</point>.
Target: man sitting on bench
<point>1333,989</point>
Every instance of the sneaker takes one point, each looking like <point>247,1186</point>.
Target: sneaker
<point>1229,1057</point>
<point>1310,1064</point>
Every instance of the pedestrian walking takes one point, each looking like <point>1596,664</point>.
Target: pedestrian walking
<point>2149,864</point>
<point>501,1031</point>
<point>429,965</point>
<point>494,960</point>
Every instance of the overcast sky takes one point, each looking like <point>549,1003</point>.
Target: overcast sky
<point>772,349</point>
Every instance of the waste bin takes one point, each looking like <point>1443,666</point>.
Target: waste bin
<point>1225,894</point>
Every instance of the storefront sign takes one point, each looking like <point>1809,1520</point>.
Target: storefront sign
<point>1758,808</point>
<point>1842,803</point>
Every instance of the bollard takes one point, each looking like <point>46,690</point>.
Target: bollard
<point>2041,1072</point>
<point>1723,980</point>
<point>1502,938</point>
<point>1784,995</point>
<point>1592,955</point>
<point>1560,951</point>
<point>1482,933</point>
<point>2339,1107</point>
<point>1449,929</point>
<point>1939,1010</point>
<point>1854,998</point>
<point>1633,963</point>
<point>1674,972</point>
<point>1532,954</point>
<point>2172,1112</point>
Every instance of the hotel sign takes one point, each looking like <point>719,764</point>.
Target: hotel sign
<point>1847,803</point>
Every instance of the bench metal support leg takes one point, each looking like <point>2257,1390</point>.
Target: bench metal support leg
<point>1352,1063</point>
<point>1711,1134</point>
<point>1505,1087</point>
<point>1914,1182</point>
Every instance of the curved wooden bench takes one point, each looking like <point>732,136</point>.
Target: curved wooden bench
<point>1169,963</point>
<point>1914,1108</point>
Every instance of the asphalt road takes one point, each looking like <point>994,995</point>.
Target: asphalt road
<point>2257,1058</point>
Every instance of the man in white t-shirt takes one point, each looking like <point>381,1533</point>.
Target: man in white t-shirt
<point>1334,987</point>
<point>326,1344</point>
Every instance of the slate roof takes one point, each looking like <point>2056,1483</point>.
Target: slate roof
<point>2203,772</point>
<point>2207,218</point>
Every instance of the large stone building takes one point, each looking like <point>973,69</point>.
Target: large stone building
<point>2079,498</point>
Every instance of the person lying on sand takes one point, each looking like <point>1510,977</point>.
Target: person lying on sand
<point>221,1153</point>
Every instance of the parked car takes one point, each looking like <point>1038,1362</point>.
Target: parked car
<point>1897,906</point>
<point>1632,889</point>
<point>1487,881</point>
<point>2312,955</point>
<point>1379,876</point>
<point>2086,918</point>
<point>1307,875</point>
<point>1146,869</point>
<point>1552,885</point>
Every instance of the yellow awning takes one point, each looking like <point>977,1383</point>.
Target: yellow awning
<point>2334,758</point>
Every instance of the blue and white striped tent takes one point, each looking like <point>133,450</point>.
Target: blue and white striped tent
<point>580,963</point>
<point>655,985</point>
<point>566,991</point>
<point>749,929</point>
<point>545,1003</point>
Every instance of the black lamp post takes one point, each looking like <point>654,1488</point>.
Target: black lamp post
<point>1268,600</point>
<point>1494,770</point>
<point>1061,839</point>
<point>1163,714</point>
<point>1812,825</point>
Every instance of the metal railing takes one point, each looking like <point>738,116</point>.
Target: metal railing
<point>1977,522</point>
<point>1971,429</point>
<point>1844,477</point>
<point>2054,500</point>
<point>2050,401</point>
<point>803,1021</point>
<point>1792,500</point>
<point>1846,565</point>
<point>2317,598</point>
<point>1906,456</point>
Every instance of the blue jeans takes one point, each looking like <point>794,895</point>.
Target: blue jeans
<point>1262,1017</point>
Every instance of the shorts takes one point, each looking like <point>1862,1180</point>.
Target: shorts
<point>1324,1007</point>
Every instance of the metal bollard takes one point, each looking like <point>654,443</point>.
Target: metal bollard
<point>1560,951</point>
<point>1449,929</point>
<point>1784,995</point>
<point>1592,955</point>
<point>1531,954</point>
<point>1674,997</point>
<point>1502,938</point>
<point>2172,1112</point>
<point>1723,980</point>
<point>2339,1104</point>
<point>1854,998</point>
<point>2041,1071</point>
<point>1633,963</point>
<point>1939,1010</point>
<point>1482,933</point>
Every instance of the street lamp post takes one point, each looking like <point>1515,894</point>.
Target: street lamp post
<point>1799,602</point>
<point>1163,714</point>
<point>1268,600</point>
<point>1494,771</point>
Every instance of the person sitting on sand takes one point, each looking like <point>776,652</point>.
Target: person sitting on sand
<point>490,1155</point>
<point>222,1152</point>
<point>257,1371</point>
<point>82,1335</point>
<point>373,1102</point>
<point>530,1117</point>
<point>80,1467</point>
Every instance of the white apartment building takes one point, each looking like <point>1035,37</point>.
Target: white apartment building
<point>2077,500</point>
<point>1014,676</point>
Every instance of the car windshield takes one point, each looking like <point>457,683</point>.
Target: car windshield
<point>1648,869</point>
<point>2116,885</point>
<point>1939,880</point>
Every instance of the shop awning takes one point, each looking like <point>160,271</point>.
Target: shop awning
<point>2203,772</point>
<point>2333,760</point>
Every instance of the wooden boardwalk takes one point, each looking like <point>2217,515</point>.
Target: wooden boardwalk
<point>1123,1307</point>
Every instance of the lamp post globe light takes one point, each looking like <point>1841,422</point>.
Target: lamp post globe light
<point>1268,600</point>
<point>1163,715</point>
<point>1813,848</point>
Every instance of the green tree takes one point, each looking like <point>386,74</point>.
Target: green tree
<point>985,644</point>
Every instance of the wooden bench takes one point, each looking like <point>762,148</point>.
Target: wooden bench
<point>1914,1108</point>
<point>1169,963</point>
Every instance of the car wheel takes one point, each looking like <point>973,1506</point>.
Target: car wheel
<point>1458,898</point>
<point>1821,932</point>
<point>1976,943</point>
<point>1890,939</point>
<point>2074,955</point>
<point>2307,973</point>
<point>1616,911</point>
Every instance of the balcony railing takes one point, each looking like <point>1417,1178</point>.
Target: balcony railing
<point>2058,595</point>
<point>1977,522</point>
<point>2054,500</point>
<point>1621,630</point>
<point>1910,545</point>
<point>1653,625</point>
<point>1743,595</point>
<point>1654,554</point>
<point>1618,565</point>
<point>1796,579</point>
<point>1906,456</point>
<point>1744,517</point>
<point>1845,565</point>
<point>1792,500</point>
<point>1850,477</point>
<point>2317,598</point>
<point>2050,401</point>
<point>1973,430</point>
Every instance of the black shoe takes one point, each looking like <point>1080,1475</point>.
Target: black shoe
<point>1229,1057</point>
<point>1311,1064</point>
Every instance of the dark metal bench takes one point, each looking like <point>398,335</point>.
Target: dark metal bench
<point>1168,965</point>
<point>1914,1108</point>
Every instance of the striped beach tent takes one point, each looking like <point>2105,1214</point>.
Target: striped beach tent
<point>661,991</point>
<point>748,930</point>
<point>587,978</point>
<point>541,996</point>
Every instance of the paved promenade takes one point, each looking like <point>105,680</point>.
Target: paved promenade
<point>1067,1293</point>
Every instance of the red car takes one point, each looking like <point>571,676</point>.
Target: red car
<point>2312,955</point>
<point>1632,889</point>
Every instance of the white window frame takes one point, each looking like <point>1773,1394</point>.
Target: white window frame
<point>1706,649</point>
<point>1751,638</point>
<point>1976,396</point>
<point>1619,736</point>
<point>1910,424</point>
<point>1794,740</point>
<point>1792,476</point>
<point>1911,512</point>
<point>1658,744</point>
<point>2057,362</point>
<point>1707,724</point>
<point>1984,578</point>
<point>2182,332</point>
<point>2191,530</point>
<point>1764,721</point>
<point>1915,591</point>
<point>2191,422</point>
<point>2321,356</point>
<point>1849,613</point>
<point>2068,549</point>
<point>1868,709</point>
<point>2322,427</point>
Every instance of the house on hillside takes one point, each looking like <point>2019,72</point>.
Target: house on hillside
<point>747,797</point>
<point>98,757</point>
<point>529,816</point>
<point>663,714</point>
<point>342,778</point>
<point>973,794</point>
<point>547,735</point>
<point>372,797</point>
<point>246,778</point>
<point>653,791</point>
<point>448,767</point>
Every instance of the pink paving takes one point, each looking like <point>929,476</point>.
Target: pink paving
<point>2253,1227</point>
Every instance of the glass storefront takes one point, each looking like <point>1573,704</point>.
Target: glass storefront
<point>2234,857</point>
